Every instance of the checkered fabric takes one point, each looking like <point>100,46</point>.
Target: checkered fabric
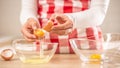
<point>48,7</point>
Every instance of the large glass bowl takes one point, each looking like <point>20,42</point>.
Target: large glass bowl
<point>95,51</point>
<point>34,52</point>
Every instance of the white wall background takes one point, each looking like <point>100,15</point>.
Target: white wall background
<point>10,25</point>
<point>9,17</point>
<point>112,20</point>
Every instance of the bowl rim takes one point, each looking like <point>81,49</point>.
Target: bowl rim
<point>14,42</point>
<point>83,39</point>
<point>30,41</point>
<point>87,38</point>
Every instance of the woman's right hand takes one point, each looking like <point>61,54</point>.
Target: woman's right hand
<point>28,29</point>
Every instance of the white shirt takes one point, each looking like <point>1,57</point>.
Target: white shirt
<point>94,16</point>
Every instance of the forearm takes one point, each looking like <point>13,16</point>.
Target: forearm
<point>91,17</point>
<point>28,10</point>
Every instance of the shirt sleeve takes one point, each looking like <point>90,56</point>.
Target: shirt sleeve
<point>94,16</point>
<point>28,10</point>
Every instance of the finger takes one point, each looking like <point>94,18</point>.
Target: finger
<point>57,17</point>
<point>61,32</point>
<point>66,25</point>
<point>28,34</point>
<point>60,19</point>
<point>28,39</point>
<point>35,25</point>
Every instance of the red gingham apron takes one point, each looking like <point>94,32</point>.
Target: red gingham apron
<point>48,7</point>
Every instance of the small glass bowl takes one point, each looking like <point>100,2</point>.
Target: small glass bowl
<point>34,52</point>
<point>111,53</point>
<point>106,50</point>
<point>89,51</point>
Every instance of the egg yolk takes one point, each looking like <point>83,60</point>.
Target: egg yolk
<point>95,56</point>
<point>39,33</point>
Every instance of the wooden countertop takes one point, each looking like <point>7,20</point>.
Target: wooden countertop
<point>58,61</point>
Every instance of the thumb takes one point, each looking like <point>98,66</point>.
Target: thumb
<point>35,26</point>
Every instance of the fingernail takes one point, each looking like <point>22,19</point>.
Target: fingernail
<point>34,27</point>
<point>53,20</point>
<point>55,23</point>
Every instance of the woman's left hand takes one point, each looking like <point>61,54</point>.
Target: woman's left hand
<point>64,24</point>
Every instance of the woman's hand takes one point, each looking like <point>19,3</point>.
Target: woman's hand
<point>64,24</point>
<point>28,28</point>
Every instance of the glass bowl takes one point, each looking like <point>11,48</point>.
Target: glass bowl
<point>111,53</point>
<point>89,51</point>
<point>94,51</point>
<point>34,52</point>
